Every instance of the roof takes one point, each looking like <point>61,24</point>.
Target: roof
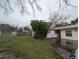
<point>65,27</point>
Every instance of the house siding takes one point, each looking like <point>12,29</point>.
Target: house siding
<point>72,39</point>
<point>51,34</point>
<point>73,43</point>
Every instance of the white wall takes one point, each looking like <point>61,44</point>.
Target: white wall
<point>14,33</point>
<point>0,32</point>
<point>73,37</point>
<point>75,34</point>
<point>51,34</point>
<point>32,33</point>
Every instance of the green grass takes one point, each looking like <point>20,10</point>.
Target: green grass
<point>29,48</point>
<point>5,38</point>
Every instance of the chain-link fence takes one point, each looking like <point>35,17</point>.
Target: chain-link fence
<point>6,39</point>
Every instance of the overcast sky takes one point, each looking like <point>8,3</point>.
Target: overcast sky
<point>48,6</point>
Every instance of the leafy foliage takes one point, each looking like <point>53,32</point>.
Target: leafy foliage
<point>20,29</point>
<point>40,28</point>
<point>27,28</point>
<point>7,28</point>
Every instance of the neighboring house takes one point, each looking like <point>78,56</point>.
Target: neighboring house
<point>24,32</point>
<point>68,35</point>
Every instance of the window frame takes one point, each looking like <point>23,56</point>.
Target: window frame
<point>68,33</point>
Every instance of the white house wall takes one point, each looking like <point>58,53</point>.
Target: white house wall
<point>75,34</point>
<point>73,37</point>
<point>51,34</point>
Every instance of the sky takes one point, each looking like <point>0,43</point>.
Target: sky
<point>48,6</point>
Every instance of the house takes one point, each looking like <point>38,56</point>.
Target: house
<point>23,32</point>
<point>68,35</point>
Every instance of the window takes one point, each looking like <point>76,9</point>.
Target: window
<point>68,33</point>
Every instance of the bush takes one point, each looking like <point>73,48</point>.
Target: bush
<point>40,29</point>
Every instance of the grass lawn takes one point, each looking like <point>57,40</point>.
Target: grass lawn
<point>29,48</point>
<point>5,38</point>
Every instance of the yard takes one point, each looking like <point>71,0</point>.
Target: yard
<point>4,39</point>
<point>25,47</point>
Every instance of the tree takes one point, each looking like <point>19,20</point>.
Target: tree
<point>7,28</point>
<point>7,5</point>
<point>65,2</point>
<point>27,28</point>
<point>40,28</point>
<point>20,29</point>
<point>57,18</point>
<point>74,21</point>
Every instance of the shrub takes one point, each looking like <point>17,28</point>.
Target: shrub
<point>40,28</point>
